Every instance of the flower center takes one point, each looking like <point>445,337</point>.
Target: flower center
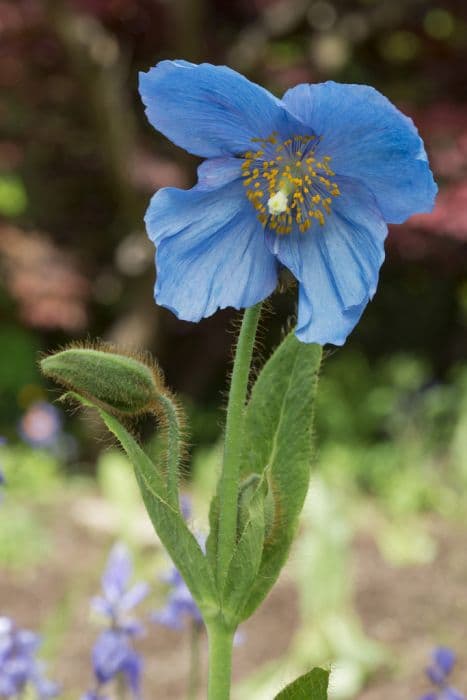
<point>287,183</point>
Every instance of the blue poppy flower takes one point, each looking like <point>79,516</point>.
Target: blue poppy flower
<point>308,182</point>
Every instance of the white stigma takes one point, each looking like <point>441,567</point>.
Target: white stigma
<point>277,204</point>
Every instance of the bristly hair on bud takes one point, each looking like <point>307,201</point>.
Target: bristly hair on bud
<point>120,381</point>
<point>125,384</point>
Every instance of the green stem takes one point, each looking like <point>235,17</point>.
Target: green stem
<point>228,485</point>
<point>193,684</point>
<point>174,448</point>
<point>220,662</point>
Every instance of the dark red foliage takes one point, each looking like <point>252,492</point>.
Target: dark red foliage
<point>44,282</point>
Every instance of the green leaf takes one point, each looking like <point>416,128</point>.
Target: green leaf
<point>278,437</point>
<point>311,686</point>
<point>168,523</point>
<point>246,558</point>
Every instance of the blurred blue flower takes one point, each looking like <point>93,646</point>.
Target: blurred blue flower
<point>308,182</point>
<point>40,425</point>
<point>180,606</point>
<point>443,660</point>
<point>19,667</point>
<point>113,654</point>
<point>185,506</point>
<point>118,598</point>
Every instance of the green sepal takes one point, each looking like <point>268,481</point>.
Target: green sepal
<point>172,529</point>
<point>112,381</point>
<point>278,441</point>
<point>246,558</point>
<point>311,686</point>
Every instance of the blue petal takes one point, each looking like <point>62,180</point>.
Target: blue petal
<point>445,658</point>
<point>109,654</point>
<point>103,607</point>
<point>370,139</point>
<point>211,251</point>
<point>132,668</point>
<point>117,573</point>
<point>134,596</point>
<point>211,110</point>
<point>337,265</point>
<point>451,694</point>
<point>169,617</point>
<point>216,172</point>
<point>436,675</point>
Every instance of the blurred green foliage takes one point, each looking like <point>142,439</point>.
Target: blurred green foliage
<point>18,369</point>
<point>13,197</point>
<point>31,475</point>
<point>392,431</point>
<point>32,481</point>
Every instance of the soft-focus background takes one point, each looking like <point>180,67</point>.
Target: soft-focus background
<point>379,574</point>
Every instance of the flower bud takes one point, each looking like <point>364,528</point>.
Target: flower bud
<point>117,383</point>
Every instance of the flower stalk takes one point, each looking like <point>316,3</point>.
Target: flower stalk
<point>229,480</point>
<point>220,661</point>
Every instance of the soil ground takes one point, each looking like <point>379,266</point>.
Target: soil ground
<point>409,610</point>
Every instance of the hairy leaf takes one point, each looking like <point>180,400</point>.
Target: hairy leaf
<point>168,523</point>
<point>278,438</point>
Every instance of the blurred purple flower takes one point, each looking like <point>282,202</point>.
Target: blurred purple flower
<point>113,654</point>
<point>180,605</point>
<point>117,597</point>
<point>180,608</point>
<point>40,425</point>
<point>19,667</point>
<point>443,660</point>
<point>185,506</point>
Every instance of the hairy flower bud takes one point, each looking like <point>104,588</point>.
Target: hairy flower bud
<point>118,383</point>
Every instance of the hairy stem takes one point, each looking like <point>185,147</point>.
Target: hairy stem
<point>228,484</point>
<point>174,448</point>
<point>220,662</point>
